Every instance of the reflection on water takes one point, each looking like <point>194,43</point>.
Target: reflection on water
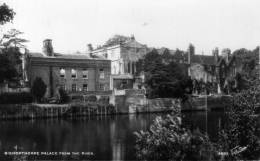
<point>109,138</point>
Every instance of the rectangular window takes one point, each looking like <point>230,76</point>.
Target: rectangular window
<point>101,74</point>
<point>85,74</point>
<point>74,87</point>
<point>85,87</point>
<point>101,87</point>
<point>73,73</point>
<point>62,72</point>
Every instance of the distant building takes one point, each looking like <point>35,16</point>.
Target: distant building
<point>75,73</point>
<point>213,68</point>
<point>124,57</point>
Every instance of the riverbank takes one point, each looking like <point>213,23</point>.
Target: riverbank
<point>207,102</point>
<point>76,109</point>
<point>124,105</point>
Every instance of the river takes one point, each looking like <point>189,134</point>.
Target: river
<point>101,138</point>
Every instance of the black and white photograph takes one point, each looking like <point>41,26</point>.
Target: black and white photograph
<point>129,80</point>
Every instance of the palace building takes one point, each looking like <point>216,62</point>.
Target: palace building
<point>75,73</point>
<point>124,57</point>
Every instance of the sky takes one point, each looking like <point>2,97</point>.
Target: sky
<point>72,24</point>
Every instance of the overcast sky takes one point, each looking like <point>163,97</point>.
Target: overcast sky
<point>158,23</point>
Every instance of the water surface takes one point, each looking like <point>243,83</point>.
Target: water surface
<point>108,138</point>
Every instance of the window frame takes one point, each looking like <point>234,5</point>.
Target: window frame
<point>101,85</point>
<point>72,75</point>
<point>83,88</point>
<point>72,85</point>
<point>85,70</point>
<point>62,75</point>
<point>101,73</point>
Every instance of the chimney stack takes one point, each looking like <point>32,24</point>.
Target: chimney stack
<point>132,37</point>
<point>226,53</point>
<point>89,48</point>
<point>215,53</point>
<point>47,47</point>
<point>191,52</point>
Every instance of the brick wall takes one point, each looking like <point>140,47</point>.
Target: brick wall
<point>41,68</point>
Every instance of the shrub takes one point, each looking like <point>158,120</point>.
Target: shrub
<point>64,97</point>
<point>92,98</point>
<point>15,98</point>
<point>38,88</point>
<point>242,127</point>
<point>167,140</point>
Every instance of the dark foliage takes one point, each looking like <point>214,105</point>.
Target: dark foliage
<point>7,71</point>
<point>38,88</point>
<point>168,140</point>
<point>165,79</point>
<point>10,65</point>
<point>91,98</point>
<point>248,60</point>
<point>12,39</point>
<point>242,127</point>
<point>15,98</point>
<point>6,14</point>
<point>116,39</point>
<point>10,57</point>
<point>64,97</point>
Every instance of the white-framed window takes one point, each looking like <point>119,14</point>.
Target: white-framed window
<point>101,74</point>
<point>62,72</point>
<point>85,74</point>
<point>85,87</point>
<point>73,73</point>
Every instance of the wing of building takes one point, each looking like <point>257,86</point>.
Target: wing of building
<point>76,73</point>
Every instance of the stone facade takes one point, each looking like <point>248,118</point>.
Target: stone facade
<point>76,73</point>
<point>124,57</point>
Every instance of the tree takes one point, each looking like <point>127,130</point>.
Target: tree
<point>166,139</point>
<point>116,39</point>
<point>12,39</point>
<point>166,56</point>
<point>11,64</point>
<point>38,89</point>
<point>10,45</point>
<point>191,49</point>
<point>64,98</point>
<point>248,60</point>
<point>242,126</point>
<point>164,80</point>
<point>6,14</point>
<point>7,71</point>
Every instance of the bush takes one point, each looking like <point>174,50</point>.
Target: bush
<point>167,140</point>
<point>16,98</point>
<point>92,98</point>
<point>64,97</point>
<point>38,88</point>
<point>242,127</point>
